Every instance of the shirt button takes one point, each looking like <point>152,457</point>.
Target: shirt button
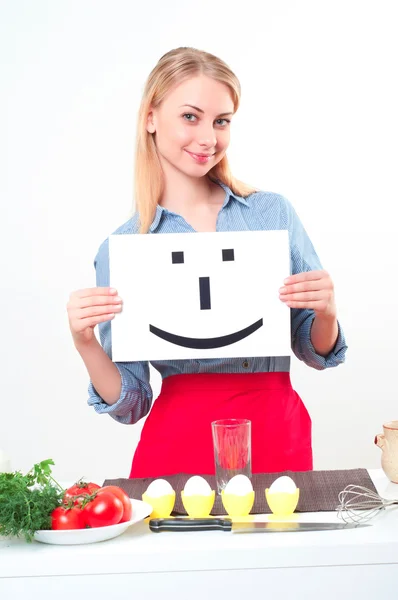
<point>245,364</point>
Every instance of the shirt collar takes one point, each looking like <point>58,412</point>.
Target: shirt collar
<point>228,195</point>
<point>156,220</point>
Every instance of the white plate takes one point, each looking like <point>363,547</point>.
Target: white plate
<point>94,534</point>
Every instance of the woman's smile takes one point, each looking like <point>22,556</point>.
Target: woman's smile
<point>200,158</point>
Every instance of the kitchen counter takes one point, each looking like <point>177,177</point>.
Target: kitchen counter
<point>357,563</point>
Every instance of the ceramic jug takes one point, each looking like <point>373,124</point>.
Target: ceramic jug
<point>388,442</point>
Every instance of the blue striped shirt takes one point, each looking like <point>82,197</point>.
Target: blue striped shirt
<point>259,211</point>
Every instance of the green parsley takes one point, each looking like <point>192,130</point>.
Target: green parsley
<point>27,501</point>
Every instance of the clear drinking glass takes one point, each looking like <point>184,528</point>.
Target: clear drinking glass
<point>232,449</point>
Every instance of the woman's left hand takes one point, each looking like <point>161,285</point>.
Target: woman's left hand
<point>313,290</point>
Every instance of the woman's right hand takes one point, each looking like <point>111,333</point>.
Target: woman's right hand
<point>86,308</point>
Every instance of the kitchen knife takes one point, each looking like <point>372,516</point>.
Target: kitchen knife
<point>210,524</point>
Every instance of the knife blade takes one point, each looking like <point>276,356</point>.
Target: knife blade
<point>221,524</point>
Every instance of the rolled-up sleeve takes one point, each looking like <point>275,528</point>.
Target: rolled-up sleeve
<point>136,393</point>
<point>304,258</point>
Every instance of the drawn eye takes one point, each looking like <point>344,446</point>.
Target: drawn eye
<point>177,257</point>
<point>228,254</point>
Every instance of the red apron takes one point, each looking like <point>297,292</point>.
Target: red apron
<point>177,436</point>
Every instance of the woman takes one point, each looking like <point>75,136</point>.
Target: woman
<point>183,183</point>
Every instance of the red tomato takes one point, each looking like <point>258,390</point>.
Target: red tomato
<point>81,488</point>
<point>104,510</point>
<point>67,518</point>
<point>121,494</point>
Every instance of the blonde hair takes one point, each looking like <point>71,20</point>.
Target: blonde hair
<point>173,68</point>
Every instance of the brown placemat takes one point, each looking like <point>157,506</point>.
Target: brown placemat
<point>318,489</point>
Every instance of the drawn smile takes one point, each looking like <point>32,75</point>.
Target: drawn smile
<point>206,343</point>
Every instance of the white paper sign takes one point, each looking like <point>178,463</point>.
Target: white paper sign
<point>200,295</point>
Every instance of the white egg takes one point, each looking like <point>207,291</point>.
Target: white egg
<point>283,484</point>
<point>197,486</point>
<point>240,485</point>
<point>158,488</point>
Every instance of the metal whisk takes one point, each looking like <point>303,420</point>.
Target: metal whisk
<point>359,504</point>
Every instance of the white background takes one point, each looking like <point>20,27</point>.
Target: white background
<point>318,124</point>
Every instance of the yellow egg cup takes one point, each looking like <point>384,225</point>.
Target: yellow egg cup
<point>282,504</point>
<point>162,506</point>
<point>198,506</point>
<point>237,506</point>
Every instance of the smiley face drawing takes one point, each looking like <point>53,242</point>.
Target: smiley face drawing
<point>199,295</point>
<point>205,304</point>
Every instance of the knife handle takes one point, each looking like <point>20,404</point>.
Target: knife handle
<point>190,524</point>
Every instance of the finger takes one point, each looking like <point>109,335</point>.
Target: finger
<point>95,301</point>
<point>318,305</point>
<point>312,296</point>
<point>96,291</point>
<point>305,276</point>
<point>307,286</point>
<point>95,311</point>
<point>83,324</point>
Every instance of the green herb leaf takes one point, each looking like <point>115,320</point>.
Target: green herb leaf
<point>27,501</point>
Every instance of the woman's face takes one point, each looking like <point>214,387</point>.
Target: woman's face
<point>193,120</point>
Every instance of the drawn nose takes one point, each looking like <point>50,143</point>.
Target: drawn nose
<point>204,292</point>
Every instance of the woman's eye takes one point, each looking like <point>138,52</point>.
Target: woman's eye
<point>195,117</point>
<point>226,120</point>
